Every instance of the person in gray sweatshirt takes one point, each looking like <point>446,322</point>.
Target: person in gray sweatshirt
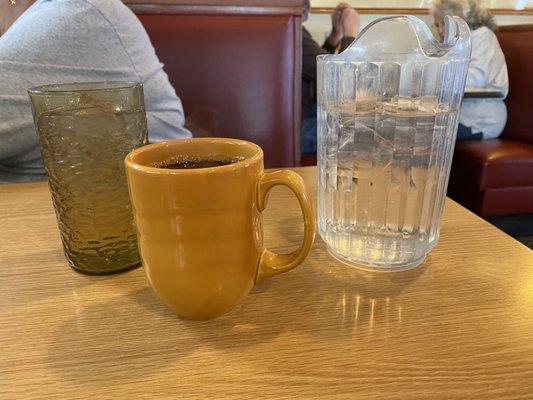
<point>63,41</point>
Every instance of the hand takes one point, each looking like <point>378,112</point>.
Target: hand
<point>337,31</point>
<point>350,22</point>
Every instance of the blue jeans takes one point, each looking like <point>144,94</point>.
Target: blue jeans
<point>308,134</point>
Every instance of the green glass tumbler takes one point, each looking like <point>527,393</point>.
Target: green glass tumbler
<point>85,131</point>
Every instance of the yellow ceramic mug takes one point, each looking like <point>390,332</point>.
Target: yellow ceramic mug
<point>200,230</point>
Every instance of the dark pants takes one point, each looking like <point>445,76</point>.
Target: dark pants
<point>465,133</point>
<point>308,133</point>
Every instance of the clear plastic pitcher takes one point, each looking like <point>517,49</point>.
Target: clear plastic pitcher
<point>387,121</point>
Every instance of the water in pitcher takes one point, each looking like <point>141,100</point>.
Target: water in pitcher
<point>382,177</point>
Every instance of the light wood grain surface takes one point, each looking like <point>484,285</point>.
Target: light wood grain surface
<point>460,326</point>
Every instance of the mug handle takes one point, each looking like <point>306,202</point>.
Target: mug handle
<point>272,263</point>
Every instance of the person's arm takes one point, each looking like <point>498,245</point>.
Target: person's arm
<point>17,137</point>
<point>498,75</point>
<point>344,43</point>
<point>345,24</point>
<point>487,67</point>
<point>310,50</point>
<point>42,48</point>
<point>477,76</point>
<point>164,111</point>
<point>17,133</point>
<point>350,26</point>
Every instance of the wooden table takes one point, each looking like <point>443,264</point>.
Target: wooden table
<point>460,326</point>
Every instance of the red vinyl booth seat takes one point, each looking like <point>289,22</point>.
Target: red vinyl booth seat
<point>495,177</point>
<point>236,67</point>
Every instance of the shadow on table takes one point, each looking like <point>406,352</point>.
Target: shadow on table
<point>42,286</point>
<point>319,300</point>
<point>105,343</point>
<point>322,297</point>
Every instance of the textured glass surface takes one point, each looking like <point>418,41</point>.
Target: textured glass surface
<point>387,121</point>
<point>85,133</point>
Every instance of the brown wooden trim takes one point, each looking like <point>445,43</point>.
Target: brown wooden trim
<point>510,11</point>
<point>216,10</point>
<point>495,11</point>
<point>233,3</point>
<point>297,88</point>
<point>329,10</point>
<point>514,28</point>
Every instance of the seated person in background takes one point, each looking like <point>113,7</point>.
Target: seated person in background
<point>345,21</point>
<point>479,118</point>
<point>62,41</point>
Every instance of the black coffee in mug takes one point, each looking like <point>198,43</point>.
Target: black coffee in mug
<point>194,163</point>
